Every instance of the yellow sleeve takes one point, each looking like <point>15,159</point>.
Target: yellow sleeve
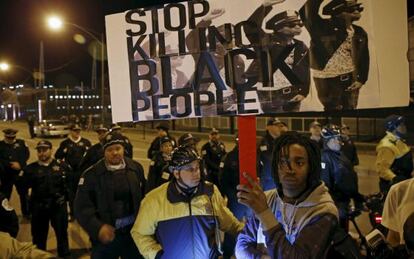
<point>227,221</point>
<point>11,248</point>
<point>385,158</point>
<point>143,231</point>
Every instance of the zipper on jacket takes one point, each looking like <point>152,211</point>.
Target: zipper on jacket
<point>192,227</point>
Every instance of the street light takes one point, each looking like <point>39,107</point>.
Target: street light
<point>56,23</point>
<point>4,66</point>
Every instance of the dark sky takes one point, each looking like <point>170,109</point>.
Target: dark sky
<point>23,27</point>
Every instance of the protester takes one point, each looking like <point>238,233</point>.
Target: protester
<point>398,206</point>
<point>297,219</point>
<point>315,129</point>
<point>129,149</point>
<point>108,199</point>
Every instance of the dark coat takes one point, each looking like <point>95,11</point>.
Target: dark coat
<point>8,219</point>
<point>94,202</point>
<point>328,34</point>
<point>72,152</point>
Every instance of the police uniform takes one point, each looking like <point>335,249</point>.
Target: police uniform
<point>213,152</point>
<point>228,180</point>
<point>394,162</point>
<point>155,144</point>
<point>275,93</point>
<point>14,152</point>
<point>95,153</point>
<point>72,152</point>
<point>158,170</point>
<point>112,196</point>
<point>49,195</point>
<point>265,162</point>
<point>8,219</point>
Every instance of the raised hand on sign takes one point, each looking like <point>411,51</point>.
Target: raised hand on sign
<point>214,13</point>
<point>252,195</point>
<point>272,2</point>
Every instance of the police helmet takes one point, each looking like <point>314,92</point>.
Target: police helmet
<point>393,121</point>
<point>183,155</point>
<point>330,132</point>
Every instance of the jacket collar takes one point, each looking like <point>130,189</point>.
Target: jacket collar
<point>175,196</point>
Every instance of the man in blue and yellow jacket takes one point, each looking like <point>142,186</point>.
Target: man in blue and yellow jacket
<point>394,161</point>
<point>182,218</point>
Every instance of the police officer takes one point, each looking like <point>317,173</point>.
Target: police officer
<point>187,139</point>
<point>13,156</point>
<point>108,199</point>
<point>339,175</point>
<point>8,219</point>
<point>72,150</point>
<point>228,181</point>
<point>158,170</point>
<point>212,153</point>
<point>95,153</point>
<point>394,162</point>
<point>274,129</point>
<point>129,149</point>
<point>162,129</point>
<point>348,146</point>
<point>315,130</point>
<point>47,178</point>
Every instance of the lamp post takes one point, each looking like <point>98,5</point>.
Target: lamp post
<point>57,23</point>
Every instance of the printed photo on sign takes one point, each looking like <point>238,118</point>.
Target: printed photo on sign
<point>239,57</point>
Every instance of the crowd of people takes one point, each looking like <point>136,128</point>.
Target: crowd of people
<point>296,208</point>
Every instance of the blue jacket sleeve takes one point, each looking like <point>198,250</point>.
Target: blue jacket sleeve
<point>246,246</point>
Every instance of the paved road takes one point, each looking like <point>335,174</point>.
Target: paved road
<point>78,239</point>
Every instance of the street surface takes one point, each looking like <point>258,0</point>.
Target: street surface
<point>78,239</point>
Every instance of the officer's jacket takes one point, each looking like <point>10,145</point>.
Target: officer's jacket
<point>94,201</point>
<point>338,175</point>
<point>72,152</point>
<point>16,152</point>
<point>48,183</point>
<point>276,48</point>
<point>328,34</point>
<point>229,174</point>
<point>394,158</point>
<point>8,219</point>
<point>265,150</point>
<point>92,156</point>
<point>158,172</point>
<point>212,153</point>
<point>177,226</point>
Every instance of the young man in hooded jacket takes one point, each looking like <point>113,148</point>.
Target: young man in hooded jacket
<point>297,219</point>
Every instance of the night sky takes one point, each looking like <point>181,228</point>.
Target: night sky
<point>23,27</point>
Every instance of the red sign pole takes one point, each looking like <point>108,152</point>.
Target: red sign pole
<point>247,146</point>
